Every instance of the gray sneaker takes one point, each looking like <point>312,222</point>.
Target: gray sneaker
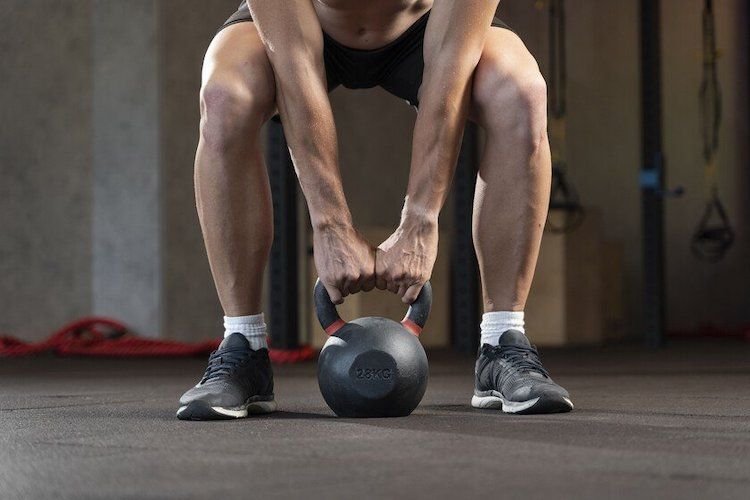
<point>238,382</point>
<point>511,378</point>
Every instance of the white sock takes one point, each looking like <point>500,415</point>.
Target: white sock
<point>494,324</point>
<point>252,327</point>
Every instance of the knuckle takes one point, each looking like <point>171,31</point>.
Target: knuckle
<point>340,277</point>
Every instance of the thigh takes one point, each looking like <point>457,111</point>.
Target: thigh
<point>243,17</point>
<point>237,58</point>
<point>404,79</point>
<point>236,61</point>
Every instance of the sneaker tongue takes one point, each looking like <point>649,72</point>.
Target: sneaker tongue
<point>514,337</point>
<point>234,341</point>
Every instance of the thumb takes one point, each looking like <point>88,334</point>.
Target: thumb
<point>412,293</point>
<point>335,294</point>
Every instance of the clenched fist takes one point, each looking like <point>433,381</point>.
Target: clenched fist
<point>404,262</point>
<point>345,261</point>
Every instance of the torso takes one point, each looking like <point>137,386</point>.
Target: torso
<point>368,24</point>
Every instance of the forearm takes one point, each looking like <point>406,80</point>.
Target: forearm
<point>310,132</point>
<point>453,45</point>
<point>293,40</point>
<point>437,138</point>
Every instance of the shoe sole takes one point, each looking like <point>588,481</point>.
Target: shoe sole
<point>542,404</point>
<point>200,410</point>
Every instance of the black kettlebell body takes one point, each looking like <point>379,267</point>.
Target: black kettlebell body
<point>373,366</point>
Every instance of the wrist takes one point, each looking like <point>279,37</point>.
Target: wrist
<point>327,222</point>
<point>421,214</point>
<point>328,209</point>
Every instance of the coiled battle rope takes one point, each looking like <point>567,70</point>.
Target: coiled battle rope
<point>105,337</point>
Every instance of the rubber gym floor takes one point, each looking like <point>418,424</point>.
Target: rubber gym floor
<point>670,423</point>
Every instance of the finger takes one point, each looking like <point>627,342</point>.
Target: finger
<point>368,283</point>
<point>381,283</point>
<point>361,279</point>
<point>335,294</point>
<point>380,280</point>
<point>343,285</point>
<point>353,285</point>
<point>392,286</point>
<point>367,274</point>
<point>412,293</point>
<point>402,289</point>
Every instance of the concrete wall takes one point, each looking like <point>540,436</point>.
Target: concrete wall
<point>45,165</point>
<point>96,151</point>
<point>127,222</point>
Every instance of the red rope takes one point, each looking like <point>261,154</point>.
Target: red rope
<point>104,337</point>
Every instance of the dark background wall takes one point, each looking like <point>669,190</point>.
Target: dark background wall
<point>699,292</point>
<point>604,141</point>
<point>96,205</point>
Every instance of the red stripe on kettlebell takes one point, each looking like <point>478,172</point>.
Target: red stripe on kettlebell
<point>335,326</point>
<point>411,326</point>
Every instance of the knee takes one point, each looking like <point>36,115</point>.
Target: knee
<point>512,100</point>
<point>232,111</point>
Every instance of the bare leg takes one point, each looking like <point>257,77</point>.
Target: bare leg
<point>231,184</point>
<point>513,185</point>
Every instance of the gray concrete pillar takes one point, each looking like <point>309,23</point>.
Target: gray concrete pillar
<point>127,222</point>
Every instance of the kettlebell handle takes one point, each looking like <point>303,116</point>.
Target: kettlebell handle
<point>329,318</point>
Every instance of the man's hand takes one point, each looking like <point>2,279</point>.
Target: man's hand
<point>405,260</point>
<point>344,259</point>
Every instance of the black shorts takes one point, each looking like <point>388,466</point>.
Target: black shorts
<point>397,66</point>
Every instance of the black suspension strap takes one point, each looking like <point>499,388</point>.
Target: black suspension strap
<point>563,196</point>
<point>714,235</point>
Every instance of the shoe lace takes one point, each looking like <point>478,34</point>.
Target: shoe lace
<point>223,362</point>
<point>522,358</point>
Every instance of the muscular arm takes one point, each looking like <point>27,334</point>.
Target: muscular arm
<point>453,44</point>
<point>291,33</point>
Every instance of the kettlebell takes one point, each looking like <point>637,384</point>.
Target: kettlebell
<point>372,366</point>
